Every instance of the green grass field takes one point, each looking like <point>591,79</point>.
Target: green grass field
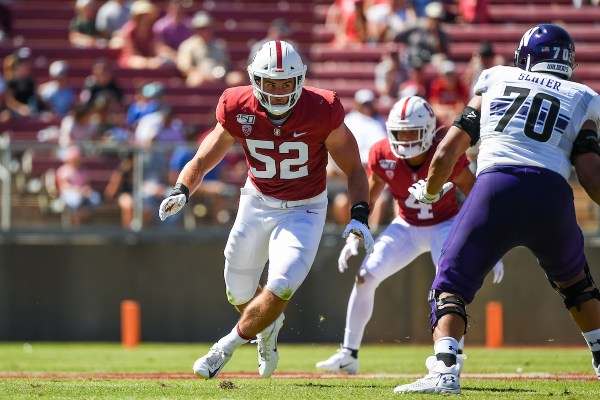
<point>163,371</point>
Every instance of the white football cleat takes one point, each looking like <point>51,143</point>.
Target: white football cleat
<point>268,357</point>
<point>596,368</point>
<point>211,364</point>
<point>341,361</point>
<point>440,379</point>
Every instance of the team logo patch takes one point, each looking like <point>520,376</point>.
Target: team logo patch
<point>277,132</point>
<point>246,130</point>
<point>245,119</point>
<point>387,164</point>
<point>389,173</point>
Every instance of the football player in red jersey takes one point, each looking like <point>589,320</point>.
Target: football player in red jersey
<point>286,130</point>
<point>399,161</point>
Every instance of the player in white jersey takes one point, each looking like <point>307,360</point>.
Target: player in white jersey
<point>399,161</point>
<point>533,124</point>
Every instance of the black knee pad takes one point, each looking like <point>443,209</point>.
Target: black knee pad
<point>450,304</point>
<point>576,294</point>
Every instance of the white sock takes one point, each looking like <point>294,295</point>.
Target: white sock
<point>447,345</point>
<point>232,341</point>
<point>592,339</point>
<point>360,309</point>
<point>461,344</point>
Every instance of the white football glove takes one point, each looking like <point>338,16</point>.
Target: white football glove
<point>418,190</point>
<point>498,272</point>
<point>350,249</point>
<point>171,205</point>
<point>362,231</point>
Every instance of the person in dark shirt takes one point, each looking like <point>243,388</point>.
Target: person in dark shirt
<point>102,81</point>
<point>21,89</point>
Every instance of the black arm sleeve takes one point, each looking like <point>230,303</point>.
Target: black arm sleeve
<point>468,121</point>
<point>586,142</point>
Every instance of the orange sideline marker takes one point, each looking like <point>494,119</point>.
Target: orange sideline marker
<point>494,335</point>
<point>130,323</point>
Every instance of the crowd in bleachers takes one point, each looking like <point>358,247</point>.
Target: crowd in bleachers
<point>147,74</point>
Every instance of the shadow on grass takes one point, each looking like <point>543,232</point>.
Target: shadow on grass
<point>311,384</point>
<point>497,390</point>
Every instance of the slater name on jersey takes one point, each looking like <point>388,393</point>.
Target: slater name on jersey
<point>544,81</point>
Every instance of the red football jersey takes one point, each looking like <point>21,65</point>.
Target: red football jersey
<point>400,176</point>
<point>287,162</point>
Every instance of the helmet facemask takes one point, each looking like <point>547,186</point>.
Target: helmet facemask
<point>276,60</point>
<point>408,143</point>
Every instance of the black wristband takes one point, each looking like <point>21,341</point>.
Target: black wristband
<point>180,188</point>
<point>360,212</point>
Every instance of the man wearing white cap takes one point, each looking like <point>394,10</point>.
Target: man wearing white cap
<point>203,58</point>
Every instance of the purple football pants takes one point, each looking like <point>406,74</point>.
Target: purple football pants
<point>511,206</point>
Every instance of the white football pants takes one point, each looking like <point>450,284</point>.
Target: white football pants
<point>287,234</point>
<point>396,247</point>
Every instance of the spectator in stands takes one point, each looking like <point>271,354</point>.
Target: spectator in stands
<point>74,188</point>
<point>161,126</point>
<point>579,3</point>
<point>389,75</point>
<point>416,84</point>
<point>202,58</point>
<point>78,126</point>
<point>111,17</point>
<point>278,30</point>
<point>4,114</point>
<point>172,29</point>
<point>149,98</point>
<point>368,127</point>
<point>447,96</point>
<point>474,11</point>
<point>388,18</point>
<point>107,130</point>
<point>348,21</point>
<point>155,161</point>
<point>102,82</point>
<point>57,94</point>
<point>485,58</point>
<point>136,38</point>
<point>6,20</point>
<point>21,90</point>
<point>213,190</point>
<point>82,28</point>
<point>120,188</point>
<point>419,6</point>
<point>427,40</point>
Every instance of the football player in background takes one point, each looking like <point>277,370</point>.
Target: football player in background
<point>533,124</point>
<point>399,161</point>
<point>286,130</point>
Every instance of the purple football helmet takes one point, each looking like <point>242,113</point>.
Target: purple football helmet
<point>546,48</point>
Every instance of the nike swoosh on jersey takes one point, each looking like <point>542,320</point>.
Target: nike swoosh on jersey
<point>298,134</point>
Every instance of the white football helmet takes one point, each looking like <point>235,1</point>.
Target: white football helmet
<point>407,114</point>
<point>277,60</point>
